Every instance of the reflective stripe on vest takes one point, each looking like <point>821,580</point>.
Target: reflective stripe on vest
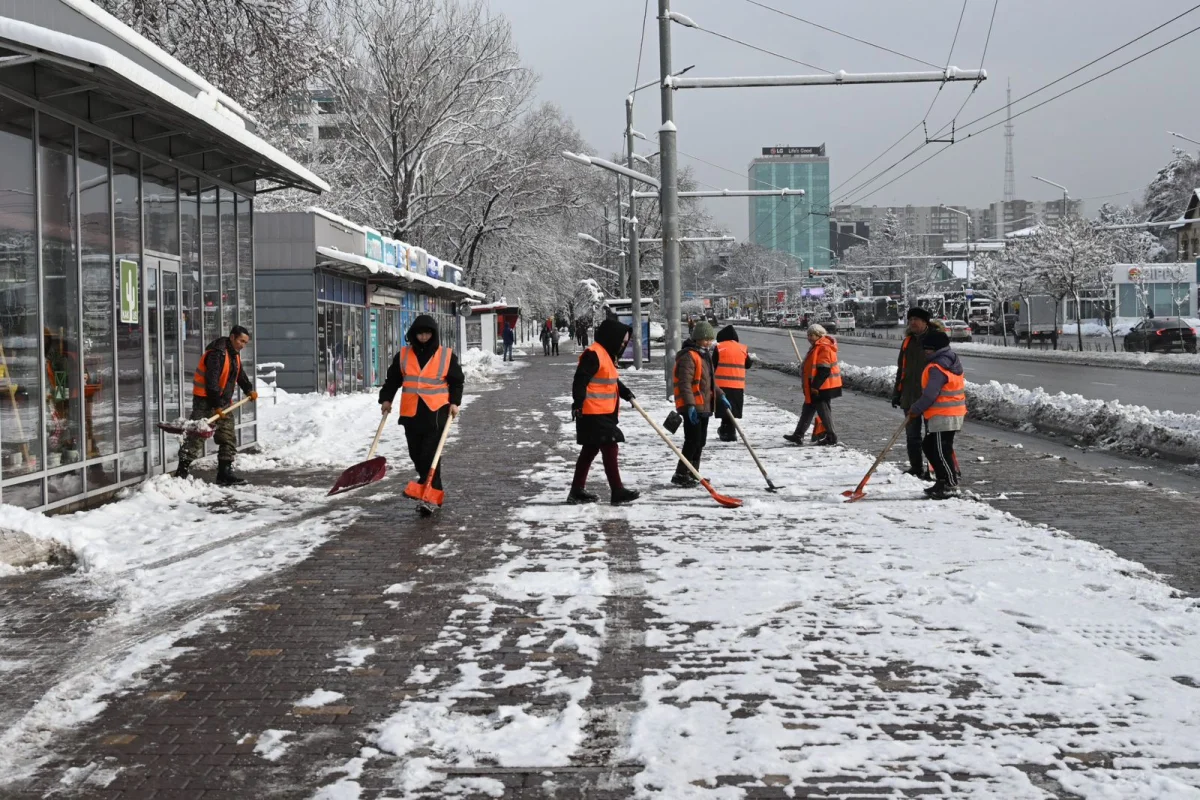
<point>700,400</point>
<point>199,382</point>
<point>602,388</point>
<point>427,383</point>
<point>731,365</point>
<point>952,399</point>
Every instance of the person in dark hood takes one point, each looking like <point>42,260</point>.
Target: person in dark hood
<point>910,365</point>
<point>697,397</point>
<point>731,359</point>
<point>432,382</point>
<point>943,406</point>
<point>594,403</point>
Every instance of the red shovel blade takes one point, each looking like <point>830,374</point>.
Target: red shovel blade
<point>367,472</point>
<point>728,502</point>
<point>853,495</point>
<point>198,428</point>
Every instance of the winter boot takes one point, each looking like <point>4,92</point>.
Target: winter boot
<point>226,476</point>
<point>579,496</point>
<point>183,469</point>
<point>917,472</point>
<point>942,491</point>
<point>793,438</point>
<point>623,495</point>
<point>828,440</point>
<point>687,480</point>
<point>938,486</point>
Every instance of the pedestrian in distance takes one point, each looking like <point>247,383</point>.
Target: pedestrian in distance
<point>510,338</point>
<point>595,395</point>
<point>553,337</point>
<point>583,333</point>
<point>910,366</point>
<point>430,382</point>
<point>545,337</point>
<point>943,407</point>
<point>731,359</point>
<point>822,379</point>
<point>217,375</point>
<point>697,397</point>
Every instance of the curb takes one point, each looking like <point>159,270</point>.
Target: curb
<point>1098,429</point>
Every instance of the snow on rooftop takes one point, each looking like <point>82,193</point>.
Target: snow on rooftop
<point>379,268</point>
<point>205,106</point>
<point>332,217</point>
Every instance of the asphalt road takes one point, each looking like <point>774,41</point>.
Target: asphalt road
<point>1163,391</point>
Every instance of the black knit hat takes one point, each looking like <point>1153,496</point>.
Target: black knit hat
<point>919,313</point>
<point>934,340</point>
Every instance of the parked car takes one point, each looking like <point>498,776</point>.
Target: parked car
<point>957,330</point>
<point>1161,335</point>
<point>1009,322</point>
<point>845,321</point>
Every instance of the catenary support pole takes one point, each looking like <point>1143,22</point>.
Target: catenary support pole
<point>621,262</point>
<point>635,271</point>
<point>669,188</point>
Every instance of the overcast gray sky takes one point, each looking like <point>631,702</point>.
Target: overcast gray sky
<point>1106,138</point>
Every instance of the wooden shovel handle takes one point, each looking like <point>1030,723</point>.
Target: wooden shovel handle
<point>383,418</point>
<point>662,434</point>
<point>225,411</point>
<point>437,455</point>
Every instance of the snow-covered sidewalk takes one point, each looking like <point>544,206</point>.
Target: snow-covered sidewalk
<point>802,643</point>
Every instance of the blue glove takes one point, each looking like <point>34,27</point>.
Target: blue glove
<point>725,403</point>
<point>693,416</point>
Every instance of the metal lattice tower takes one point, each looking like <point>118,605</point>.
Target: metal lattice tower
<point>1010,180</point>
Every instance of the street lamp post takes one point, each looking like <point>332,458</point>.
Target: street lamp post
<point>1057,186</point>
<point>967,279</point>
<point>669,199</point>
<point>635,267</point>
<point>1185,138</point>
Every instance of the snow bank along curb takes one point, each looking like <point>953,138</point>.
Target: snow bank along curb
<point>1150,362</point>
<point>1094,423</point>
<point>19,549</point>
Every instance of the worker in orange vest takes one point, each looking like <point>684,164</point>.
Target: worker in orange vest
<point>697,397</point>
<point>217,375</point>
<point>822,379</point>
<point>595,395</point>
<point>430,382</point>
<point>731,359</point>
<point>943,406</point>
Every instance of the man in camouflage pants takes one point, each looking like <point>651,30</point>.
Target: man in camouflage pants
<point>219,370</point>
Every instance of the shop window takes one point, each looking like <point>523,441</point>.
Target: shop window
<point>229,273</point>
<point>210,260</point>
<point>191,297</point>
<point>21,371</point>
<point>60,293</point>
<point>160,204</point>
<point>127,222</point>
<point>245,258</point>
<point>322,349</point>
<point>99,356</point>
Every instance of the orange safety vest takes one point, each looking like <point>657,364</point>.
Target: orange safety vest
<point>199,381</point>
<point>602,388</point>
<point>822,354</point>
<point>426,383</point>
<point>731,365</point>
<point>700,399</point>
<point>952,400</point>
<point>903,363</point>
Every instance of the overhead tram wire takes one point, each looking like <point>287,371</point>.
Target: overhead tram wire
<point>982,60</point>
<point>949,58</point>
<point>1028,95</point>
<point>762,49</point>
<point>637,75</point>
<point>839,33</point>
<point>1031,108</point>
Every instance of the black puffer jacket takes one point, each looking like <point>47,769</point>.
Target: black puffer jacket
<point>424,352</point>
<point>599,429</point>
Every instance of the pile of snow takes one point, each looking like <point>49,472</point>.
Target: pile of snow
<point>479,366</point>
<point>1186,363</point>
<point>1095,423</point>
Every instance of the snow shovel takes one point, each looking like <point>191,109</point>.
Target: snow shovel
<point>728,502</point>
<point>857,492</point>
<point>770,486</point>
<point>424,492</point>
<point>201,428</point>
<point>365,472</point>
<point>796,347</point>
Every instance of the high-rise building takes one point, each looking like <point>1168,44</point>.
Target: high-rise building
<point>795,225</point>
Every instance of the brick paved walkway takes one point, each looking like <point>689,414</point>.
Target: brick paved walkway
<point>386,613</point>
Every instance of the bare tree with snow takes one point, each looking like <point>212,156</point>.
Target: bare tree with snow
<point>1068,254</point>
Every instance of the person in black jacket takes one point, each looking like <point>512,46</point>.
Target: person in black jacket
<point>731,361</point>
<point>217,375</point>
<point>423,420</point>
<point>596,428</point>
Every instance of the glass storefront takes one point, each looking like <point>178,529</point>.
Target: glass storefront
<point>115,270</point>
